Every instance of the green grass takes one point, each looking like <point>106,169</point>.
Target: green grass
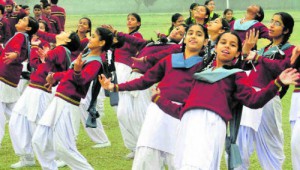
<point>112,158</point>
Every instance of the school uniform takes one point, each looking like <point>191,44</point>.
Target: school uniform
<point>60,13</point>
<point>257,125</point>
<point>13,19</point>
<point>10,76</point>
<point>131,108</point>
<point>243,28</point>
<point>293,108</point>
<point>36,98</point>
<point>60,123</point>
<point>53,23</point>
<point>5,33</point>
<point>206,112</point>
<point>156,142</point>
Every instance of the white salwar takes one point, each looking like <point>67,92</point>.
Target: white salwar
<point>60,121</point>
<point>130,119</point>
<point>268,137</point>
<point>156,143</point>
<point>26,113</point>
<point>98,134</point>
<point>8,97</point>
<point>295,129</point>
<point>23,82</point>
<point>200,141</point>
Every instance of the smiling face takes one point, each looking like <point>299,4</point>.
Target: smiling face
<point>83,26</point>
<point>195,38</point>
<point>227,48</point>
<point>211,6</point>
<point>177,33</point>
<point>228,16</point>
<point>276,27</point>
<point>95,41</point>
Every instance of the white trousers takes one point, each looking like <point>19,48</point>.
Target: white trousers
<point>98,134</point>
<point>201,140</point>
<point>295,142</point>
<point>148,159</point>
<point>5,112</point>
<point>268,139</point>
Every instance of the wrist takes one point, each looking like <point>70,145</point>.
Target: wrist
<point>278,83</point>
<point>155,98</point>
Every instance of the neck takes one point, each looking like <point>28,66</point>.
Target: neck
<point>221,64</point>
<point>95,52</point>
<point>188,53</point>
<point>130,30</point>
<point>277,41</point>
<point>81,35</point>
<point>199,21</point>
<point>213,36</point>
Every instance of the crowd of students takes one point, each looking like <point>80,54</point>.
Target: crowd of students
<point>180,100</point>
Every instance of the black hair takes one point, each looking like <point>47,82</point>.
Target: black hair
<point>25,6</point>
<point>33,24</point>
<point>205,35</point>
<point>105,35</point>
<point>227,10</point>
<point>206,2</point>
<point>46,5</point>
<point>2,9</point>
<point>46,25</point>
<point>44,1</point>
<point>174,18</point>
<point>119,44</point>
<point>225,25</point>
<point>138,18</point>
<point>38,6</point>
<point>89,24</point>
<point>74,44</point>
<point>189,20</point>
<point>54,2</point>
<point>261,14</point>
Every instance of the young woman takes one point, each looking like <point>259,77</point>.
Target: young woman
<point>228,15</point>
<point>257,125</point>
<point>198,14</point>
<point>158,133</point>
<point>15,52</point>
<point>131,108</point>
<point>176,19</point>
<point>35,99</point>
<point>211,6</point>
<point>59,126</point>
<point>215,28</point>
<point>252,20</point>
<point>202,131</point>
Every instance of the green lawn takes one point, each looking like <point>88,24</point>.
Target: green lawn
<point>112,158</point>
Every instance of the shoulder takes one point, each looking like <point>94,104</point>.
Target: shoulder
<point>138,35</point>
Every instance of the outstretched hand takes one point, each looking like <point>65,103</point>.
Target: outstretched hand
<point>295,54</point>
<point>109,27</point>
<point>289,76</point>
<point>250,41</point>
<point>141,59</point>
<point>105,82</point>
<point>78,63</point>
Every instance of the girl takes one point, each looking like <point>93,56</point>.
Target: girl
<point>256,125</point>
<point>15,52</point>
<point>131,108</point>
<point>211,6</point>
<point>177,19</point>
<point>228,15</point>
<point>158,134</point>
<point>252,20</point>
<point>203,125</point>
<point>215,28</point>
<point>35,99</point>
<point>60,123</point>
<point>198,14</point>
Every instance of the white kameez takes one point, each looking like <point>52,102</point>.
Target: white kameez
<point>26,113</point>
<point>98,134</point>
<point>294,108</point>
<point>156,143</point>
<point>200,141</point>
<point>268,139</point>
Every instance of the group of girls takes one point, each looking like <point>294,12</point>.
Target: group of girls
<point>202,86</point>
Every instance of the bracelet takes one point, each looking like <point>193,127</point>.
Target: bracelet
<point>156,98</point>
<point>278,83</point>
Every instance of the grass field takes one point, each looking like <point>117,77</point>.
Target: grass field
<point>112,158</point>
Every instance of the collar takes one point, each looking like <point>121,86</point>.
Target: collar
<point>244,26</point>
<point>178,61</point>
<point>212,76</point>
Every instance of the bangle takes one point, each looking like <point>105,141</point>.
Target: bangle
<point>116,88</point>
<point>278,83</point>
<point>156,98</point>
